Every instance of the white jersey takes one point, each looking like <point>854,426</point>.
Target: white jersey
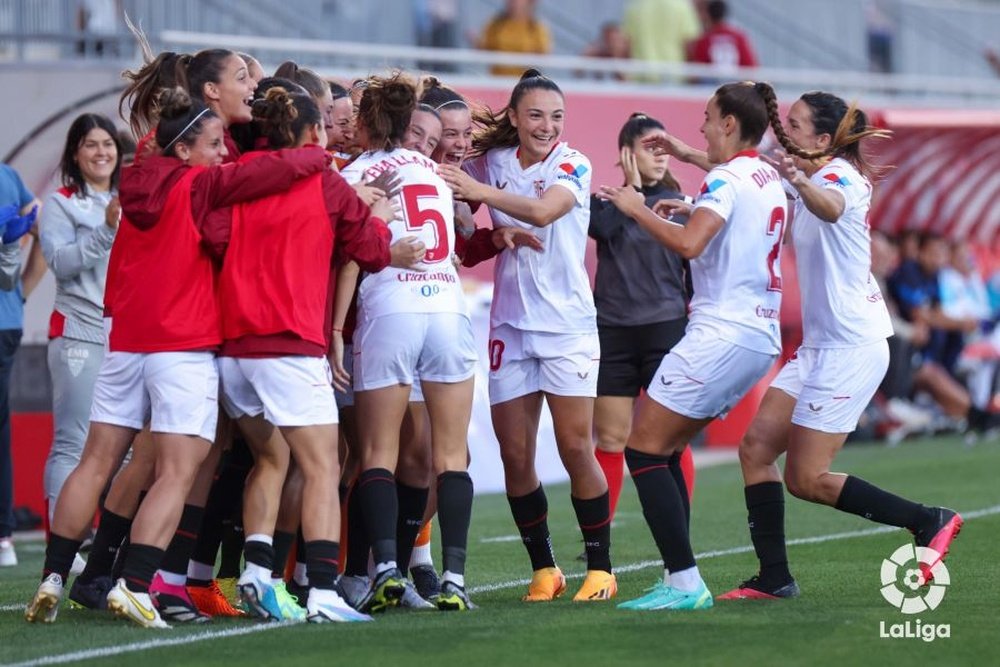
<point>842,305</point>
<point>427,210</point>
<point>737,278</point>
<point>547,291</point>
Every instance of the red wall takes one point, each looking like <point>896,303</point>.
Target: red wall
<point>31,437</point>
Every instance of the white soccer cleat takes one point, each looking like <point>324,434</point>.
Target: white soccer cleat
<point>136,607</point>
<point>45,605</point>
<point>8,557</point>
<point>325,606</point>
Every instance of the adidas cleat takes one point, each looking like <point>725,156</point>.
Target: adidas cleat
<point>599,585</point>
<point>91,594</point>
<point>546,585</point>
<point>664,597</point>
<point>174,603</point>
<point>135,607</point>
<point>326,606</point>
<point>212,601</point>
<point>259,597</point>
<point>45,605</point>
<point>453,598</point>
<point>754,589</point>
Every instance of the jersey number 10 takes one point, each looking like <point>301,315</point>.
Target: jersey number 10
<point>416,218</point>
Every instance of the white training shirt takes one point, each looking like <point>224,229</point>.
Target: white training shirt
<point>842,305</point>
<point>427,210</point>
<point>737,278</point>
<point>547,291</point>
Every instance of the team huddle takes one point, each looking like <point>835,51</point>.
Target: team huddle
<point>286,344</point>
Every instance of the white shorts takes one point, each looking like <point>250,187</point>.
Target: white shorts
<point>345,399</point>
<point>524,362</point>
<point>704,376</point>
<point>177,392</point>
<point>399,348</point>
<point>832,387</point>
<point>288,391</point>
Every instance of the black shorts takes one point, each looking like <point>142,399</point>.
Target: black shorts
<point>631,355</point>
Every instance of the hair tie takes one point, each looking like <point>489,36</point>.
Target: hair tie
<point>450,102</point>
<point>186,128</point>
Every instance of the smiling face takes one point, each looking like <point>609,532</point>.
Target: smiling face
<point>800,129</point>
<point>231,97</point>
<point>97,157</point>
<point>424,132</point>
<point>717,130</point>
<point>652,163</point>
<point>340,136</point>
<point>456,134</point>
<point>539,118</point>
<point>208,149</point>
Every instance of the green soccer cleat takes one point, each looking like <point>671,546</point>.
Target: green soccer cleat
<point>291,610</point>
<point>662,596</point>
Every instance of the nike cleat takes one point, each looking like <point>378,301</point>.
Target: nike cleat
<point>546,585</point>
<point>754,589</point>
<point>453,598</point>
<point>174,603</point>
<point>938,536</point>
<point>354,589</point>
<point>91,594</point>
<point>326,606</point>
<point>664,597</point>
<point>45,605</point>
<point>212,601</point>
<point>426,579</point>
<point>135,607</point>
<point>291,610</point>
<point>599,585</point>
<point>386,591</point>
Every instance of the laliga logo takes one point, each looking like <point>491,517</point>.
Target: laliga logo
<point>904,587</point>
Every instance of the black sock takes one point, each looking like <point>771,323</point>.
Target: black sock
<point>59,555</point>
<point>861,498</point>
<point>766,519</point>
<point>594,517</point>
<point>662,506</point>
<point>224,501</point>
<point>300,546</point>
<point>412,503</point>
<point>110,533</point>
<point>454,515</point>
<point>259,553</point>
<point>322,563</point>
<point>376,493</point>
<point>531,514</point>
<point>977,419</point>
<point>231,549</point>
<point>182,544</point>
<point>142,563</point>
<point>283,542</point>
<point>120,558</point>
<point>675,469</point>
<point>358,545</point>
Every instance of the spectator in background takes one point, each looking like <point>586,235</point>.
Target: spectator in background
<point>993,60</point>
<point>880,37</point>
<point>97,21</point>
<point>18,210</point>
<point>721,44</point>
<point>659,30</point>
<point>611,43</point>
<point>515,30</point>
<point>435,22</point>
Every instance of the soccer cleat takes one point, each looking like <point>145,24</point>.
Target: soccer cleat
<point>78,566</point>
<point>453,598</point>
<point>426,579</point>
<point>599,585</point>
<point>136,607</point>
<point>354,589</point>
<point>174,603</point>
<point>227,586</point>
<point>259,597</point>
<point>8,556</point>
<point>664,597</point>
<point>212,601</point>
<point>91,594</point>
<point>385,592</point>
<point>291,610</point>
<point>754,589</point>
<point>300,591</point>
<point>326,606</point>
<point>938,536</point>
<point>45,605</point>
<point>412,600</point>
<point>546,585</point>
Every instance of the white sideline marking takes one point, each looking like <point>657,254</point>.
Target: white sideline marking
<point>501,538</point>
<point>108,651</point>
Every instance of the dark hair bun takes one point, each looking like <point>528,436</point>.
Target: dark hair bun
<point>173,103</point>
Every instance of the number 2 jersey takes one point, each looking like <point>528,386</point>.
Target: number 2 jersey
<point>842,305</point>
<point>737,278</point>
<point>427,212</point>
<point>547,291</point>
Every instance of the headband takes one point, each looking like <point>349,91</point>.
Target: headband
<point>186,128</point>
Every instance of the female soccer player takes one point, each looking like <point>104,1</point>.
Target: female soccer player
<point>732,239</point>
<point>438,348</point>
<point>543,329</point>
<point>641,314</point>
<point>817,399</point>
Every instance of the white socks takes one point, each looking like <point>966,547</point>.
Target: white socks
<point>688,580</point>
